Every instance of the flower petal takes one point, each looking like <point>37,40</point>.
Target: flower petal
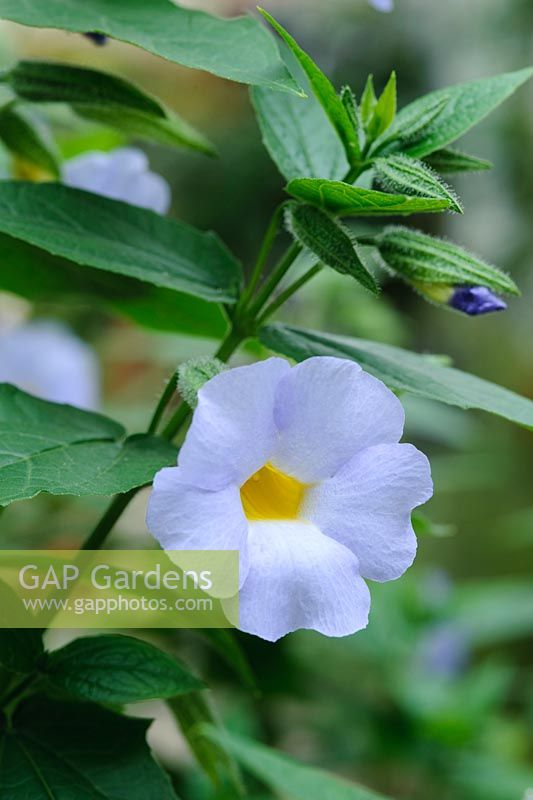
<point>45,358</point>
<point>327,409</point>
<point>367,507</point>
<point>233,431</point>
<point>184,517</point>
<point>122,174</point>
<point>298,578</point>
<point>151,191</point>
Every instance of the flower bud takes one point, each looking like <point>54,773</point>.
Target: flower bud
<point>193,374</point>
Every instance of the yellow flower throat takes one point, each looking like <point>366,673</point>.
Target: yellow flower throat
<point>270,494</point>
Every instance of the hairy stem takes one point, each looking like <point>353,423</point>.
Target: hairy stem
<point>266,247</point>
<point>164,400</point>
<point>288,292</point>
<point>277,274</point>
<point>117,505</point>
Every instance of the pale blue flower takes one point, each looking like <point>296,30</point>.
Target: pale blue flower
<point>444,651</point>
<point>46,359</point>
<point>382,5</point>
<point>300,469</point>
<point>121,174</point>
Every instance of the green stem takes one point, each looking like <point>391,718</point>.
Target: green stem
<point>192,711</point>
<point>164,400</point>
<point>96,539</point>
<point>288,292</point>
<point>121,501</point>
<point>266,246</point>
<point>234,338</point>
<point>181,414</point>
<point>22,689</point>
<point>277,274</point>
<point>178,418</point>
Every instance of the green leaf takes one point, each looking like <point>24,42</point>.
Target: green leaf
<point>25,137</point>
<point>285,776</point>
<point>467,104</point>
<point>57,751</point>
<point>419,257</point>
<point>49,82</point>
<point>494,612</point>
<point>20,650</point>
<point>114,236</point>
<point>368,101</point>
<point>298,135</point>
<point>384,110</point>
<point>449,160</point>
<point>117,670</point>
<point>324,91</point>
<point>171,131</point>
<point>328,241</point>
<point>41,277</point>
<point>48,447</point>
<point>103,98</point>
<point>404,174</point>
<point>404,371</point>
<point>347,200</point>
<point>194,714</point>
<point>424,526</point>
<point>239,48</point>
<point>229,648</point>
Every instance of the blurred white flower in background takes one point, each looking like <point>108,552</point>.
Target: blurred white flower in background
<point>46,359</point>
<point>122,174</point>
<point>382,5</point>
<point>444,651</point>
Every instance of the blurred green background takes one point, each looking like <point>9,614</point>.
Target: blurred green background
<point>435,699</point>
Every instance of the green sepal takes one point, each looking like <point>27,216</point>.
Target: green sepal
<point>343,199</point>
<point>368,101</point>
<point>384,110</point>
<point>193,374</point>
<point>417,257</point>
<point>408,175</point>
<point>329,241</point>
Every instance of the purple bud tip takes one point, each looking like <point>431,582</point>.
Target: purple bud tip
<point>474,300</point>
<point>97,38</point>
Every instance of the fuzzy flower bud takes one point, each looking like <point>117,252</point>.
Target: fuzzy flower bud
<point>193,374</point>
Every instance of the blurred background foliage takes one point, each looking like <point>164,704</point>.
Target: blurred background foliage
<point>435,698</point>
